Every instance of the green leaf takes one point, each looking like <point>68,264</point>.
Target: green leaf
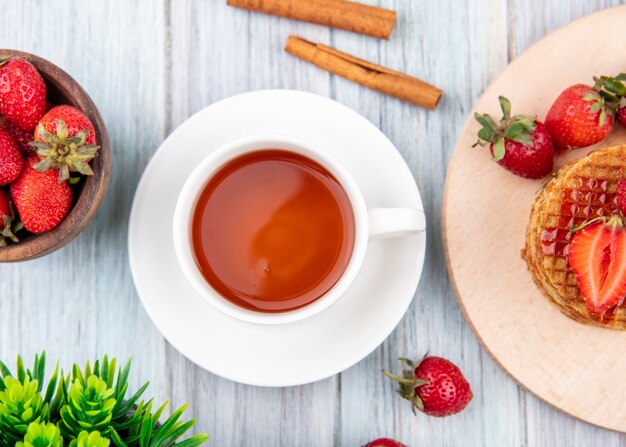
<point>61,130</point>
<point>90,439</point>
<point>80,137</point>
<point>523,138</point>
<point>596,107</point>
<point>96,370</point>
<point>41,369</point>
<point>194,441</point>
<point>146,427</point>
<point>514,130</point>
<point>41,435</point>
<point>505,105</point>
<point>486,121</point>
<point>115,437</point>
<point>527,122</point>
<point>59,397</point>
<point>124,406</point>
<point>498,150</point>
<point>43,165</point>
<point>43,133</point>
<point>599,83</point>
<point>602,119</point>
<point>64,173</point>
<point>137,416</point>
<point>590,96</point>
<point>52,384</point>
<point>82,167</point>
<point>21,371</point>
<point>157,414</point>
<point>614,86</point>
<point>111,372</point>
<point>122,377</point>
<point>6,372</point>
<point>608,96</point>
<point>168,426</point>
<point>486,134</point>
<point>176,432</point>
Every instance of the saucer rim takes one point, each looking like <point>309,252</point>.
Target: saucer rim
<point>301,379</point>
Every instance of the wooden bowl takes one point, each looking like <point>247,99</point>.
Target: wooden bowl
<point>62,89</point>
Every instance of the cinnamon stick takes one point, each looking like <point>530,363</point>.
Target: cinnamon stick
<point>368,74</point>
<point>342,14</point>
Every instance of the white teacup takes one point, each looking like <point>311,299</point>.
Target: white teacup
<point>369,224</point>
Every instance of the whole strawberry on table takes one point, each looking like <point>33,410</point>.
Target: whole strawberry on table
<point>44,151</point>
<point>434,386</point>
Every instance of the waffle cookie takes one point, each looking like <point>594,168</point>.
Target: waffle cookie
<point>579,192</point>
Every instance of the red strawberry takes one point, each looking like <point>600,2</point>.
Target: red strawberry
<point>384,442</point>
<point>7,216</point>
<point>579,117</point>
<point>41,201</point>
<point>5,206</point>
<point>621,113</point>
<point>613,90</point>
<point>22,93</point>
<point>11,160</point>
<point>434,386</point>
<point>20,136</point>
<point>621,196</point>
<point>519,143</point>
<point>65,140</point>
<point>597,256</point>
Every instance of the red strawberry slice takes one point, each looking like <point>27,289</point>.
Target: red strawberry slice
<point>597,256</point>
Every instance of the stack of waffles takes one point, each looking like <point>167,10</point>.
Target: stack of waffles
<point>581,191</point>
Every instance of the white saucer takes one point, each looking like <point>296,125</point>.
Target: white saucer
<point>312,349</point>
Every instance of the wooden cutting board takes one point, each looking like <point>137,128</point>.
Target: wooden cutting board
<point>578,369</point>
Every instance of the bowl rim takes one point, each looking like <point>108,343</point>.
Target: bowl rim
<point>94,188</point>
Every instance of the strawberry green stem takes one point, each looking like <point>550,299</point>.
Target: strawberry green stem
<point>399,379</point>
<point>613,221</point>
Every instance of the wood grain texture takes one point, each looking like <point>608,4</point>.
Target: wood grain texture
<point>524,332</point>
<point>149,65</point>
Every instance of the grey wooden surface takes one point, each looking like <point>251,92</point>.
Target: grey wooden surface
<point>149,65</point>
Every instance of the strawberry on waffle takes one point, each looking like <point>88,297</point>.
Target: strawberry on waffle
<point>581,191</point>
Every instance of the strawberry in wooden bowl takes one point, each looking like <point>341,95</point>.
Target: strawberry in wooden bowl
<point>58,177</point>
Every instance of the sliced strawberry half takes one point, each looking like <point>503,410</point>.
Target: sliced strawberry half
<point>597,256</point>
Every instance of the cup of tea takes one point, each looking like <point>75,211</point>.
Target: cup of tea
<point>272,229</point>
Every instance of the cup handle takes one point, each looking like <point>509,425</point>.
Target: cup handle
<point>393,222</point>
